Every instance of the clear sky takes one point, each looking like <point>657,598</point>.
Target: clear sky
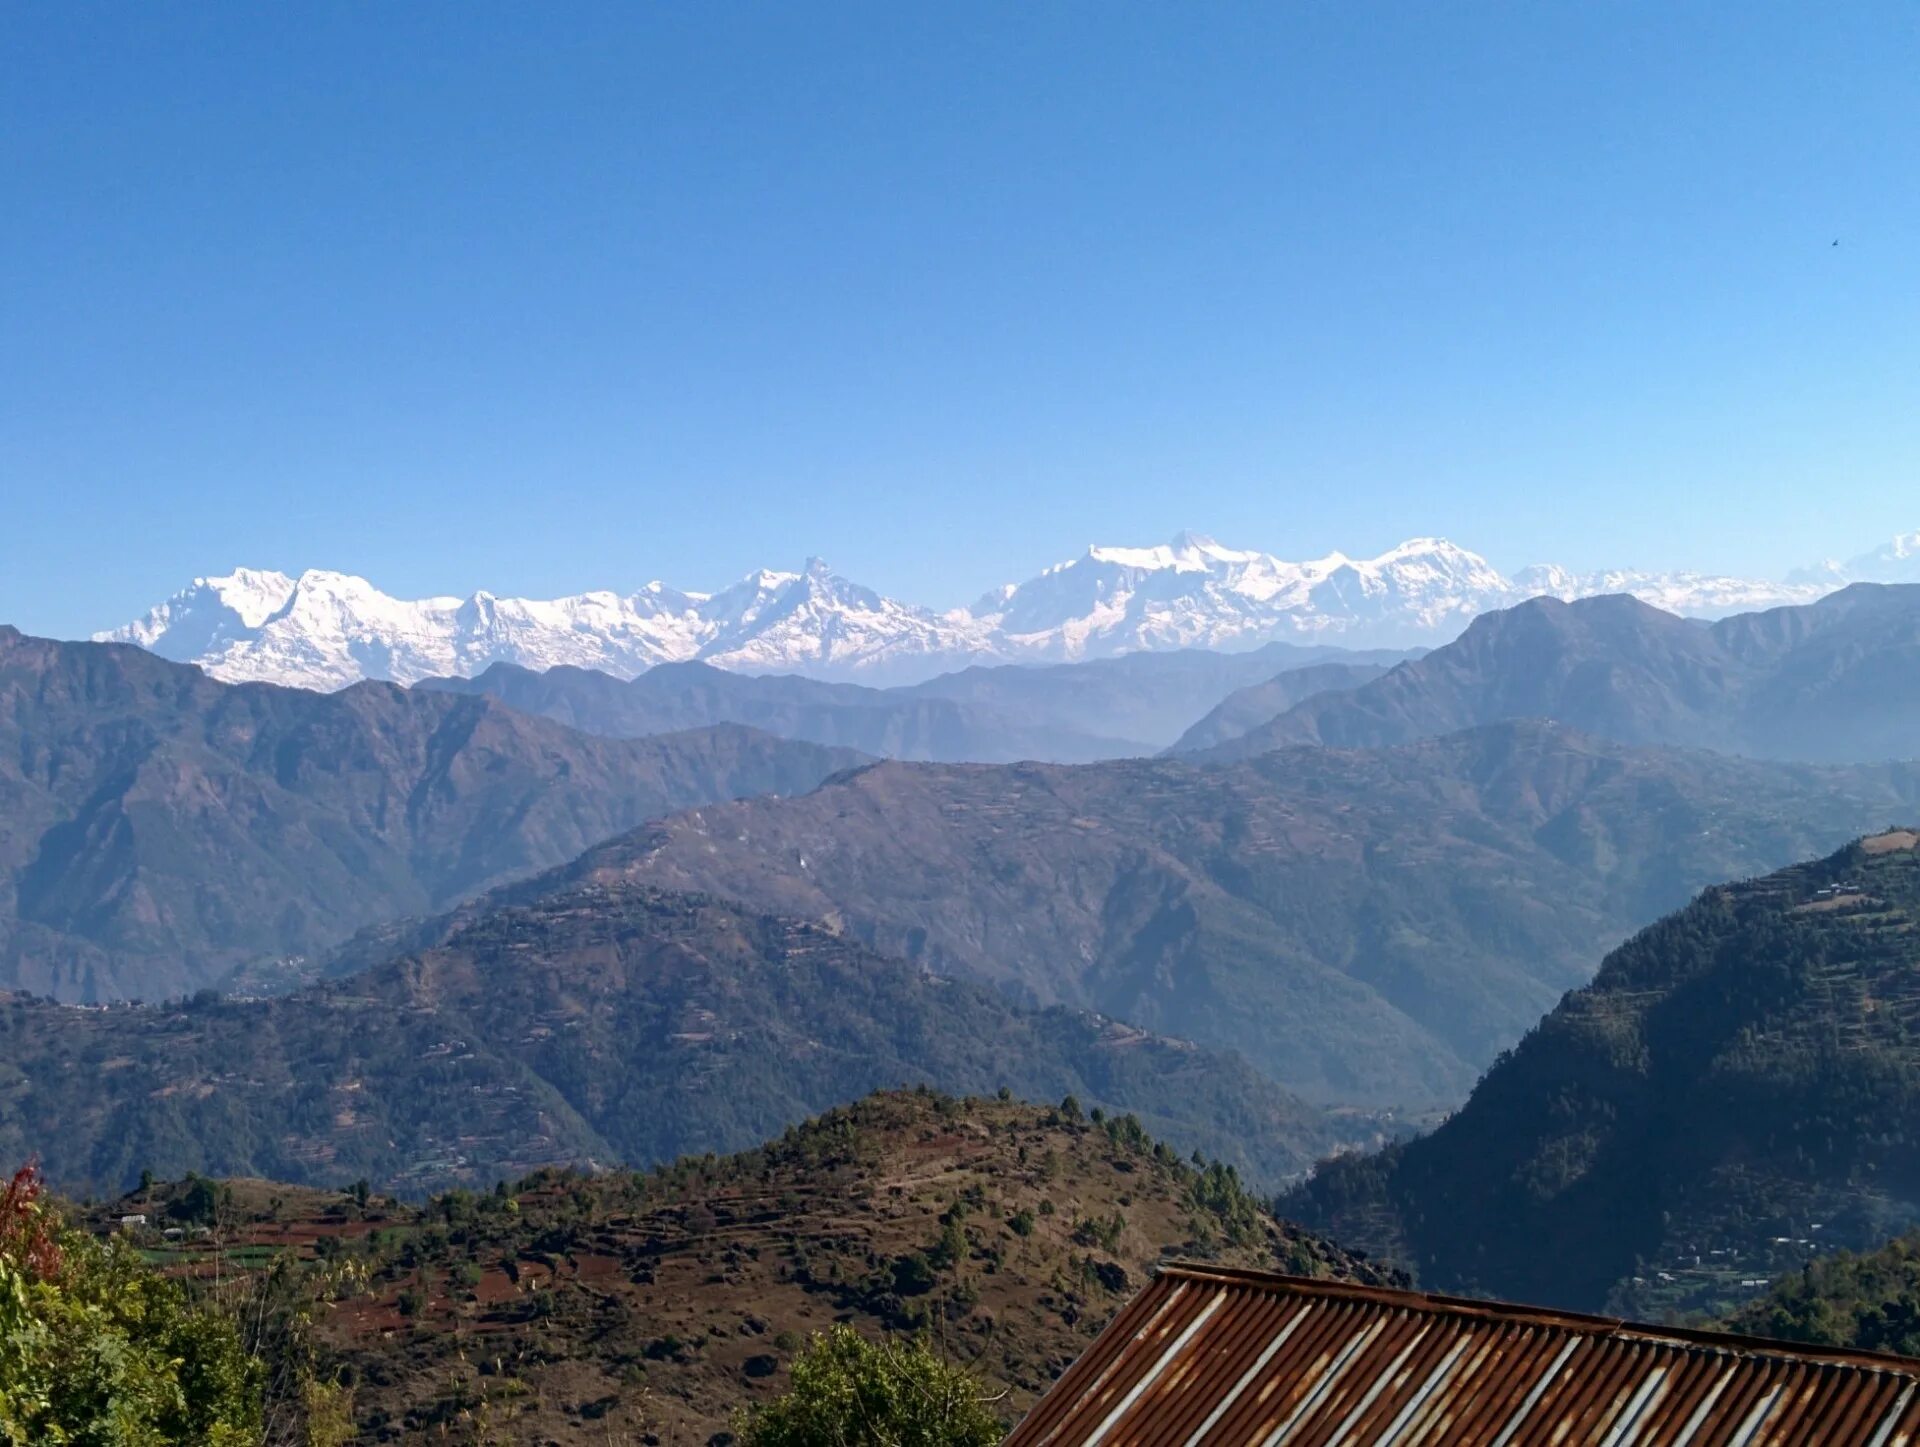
<point>543,297</point>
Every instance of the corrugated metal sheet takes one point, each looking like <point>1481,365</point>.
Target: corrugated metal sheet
<point>1230,1357</point>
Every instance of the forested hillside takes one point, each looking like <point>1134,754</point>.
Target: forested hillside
<point>590,1024</point>
<point>1864,1299</point>
<point>1735,1093</point>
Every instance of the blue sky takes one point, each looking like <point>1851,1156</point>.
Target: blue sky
<point>539,298</point>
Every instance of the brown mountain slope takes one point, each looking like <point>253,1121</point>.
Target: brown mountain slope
<point>158,828</point>
<point>591,1023</point>
<point>1364,927</point>
<point>648,1308</point>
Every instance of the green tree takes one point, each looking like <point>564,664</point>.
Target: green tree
<point>95,1347</point>
<point>850,1392</point>
<point>198,1202</point>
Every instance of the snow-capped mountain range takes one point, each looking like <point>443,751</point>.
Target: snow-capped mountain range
<point>1897,561</point>
<point>326,630</point>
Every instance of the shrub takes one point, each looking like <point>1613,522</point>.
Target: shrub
<point>847,1389</point>
<point>96,1347</point>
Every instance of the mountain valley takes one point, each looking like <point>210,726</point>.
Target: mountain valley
<point>1367,928</point>
<point>959,726</point>
<point>1281,906</point>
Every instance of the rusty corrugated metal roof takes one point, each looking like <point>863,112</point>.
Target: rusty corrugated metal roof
<point>1237,1357</point>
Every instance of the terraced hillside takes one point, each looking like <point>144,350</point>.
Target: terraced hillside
<point>1865,1300</point>
<point>647,1308</point>
<point>602,1023</point>
<point>1737,1093</point>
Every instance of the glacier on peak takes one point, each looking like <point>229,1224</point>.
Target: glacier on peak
<point>328,629</point>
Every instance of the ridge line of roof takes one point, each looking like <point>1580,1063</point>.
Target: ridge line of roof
<point>1582,1323</point>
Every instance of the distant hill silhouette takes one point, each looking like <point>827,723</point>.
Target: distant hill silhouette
<point>1250,707</point>
<point>889,723</point>
<point>1151,696</point>
<point>1064,713</point>
<point>1834,681</point>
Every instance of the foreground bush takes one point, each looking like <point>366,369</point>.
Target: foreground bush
<point>850,1392</point>
<point>95,1348</point>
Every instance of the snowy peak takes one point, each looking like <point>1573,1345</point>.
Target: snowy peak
<point>1194,593</point>
<point>1188,552</point>
<point>249,596</point>
<point>209,610</point>
<point>1895,561</point>
<point>328,629</point>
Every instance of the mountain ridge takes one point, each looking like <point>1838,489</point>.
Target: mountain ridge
<point>1831,681</point>
<point>670,697</point>
<point>326,629</point>
<point>1247,709</point>
<point>577,1310</point>
<point>1367,928</point>
<point>586,1022</point>
<point>158,827</point>
<point>1066,713</point>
